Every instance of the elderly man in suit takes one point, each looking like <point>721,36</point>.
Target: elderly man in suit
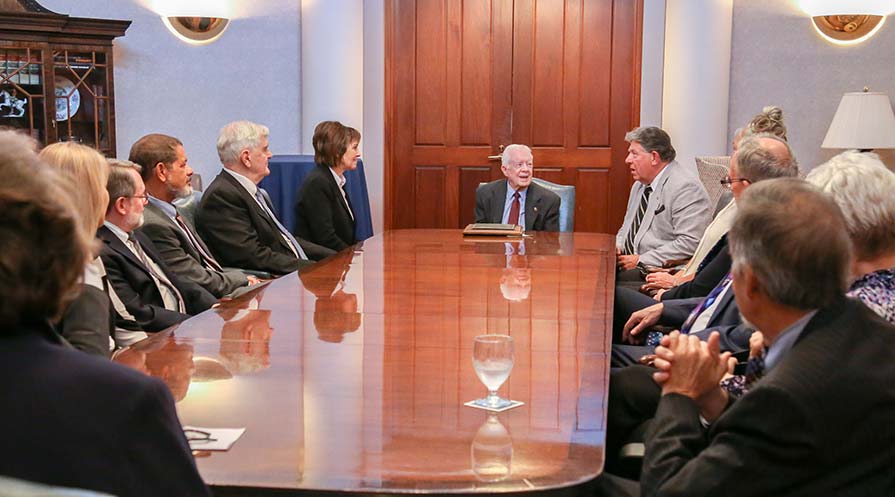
<point>166,173</point>
<point>790,276</point>
<point>668,208</point>
<point>516,200</point>
<point>154,296</point>
<point>235,216</point>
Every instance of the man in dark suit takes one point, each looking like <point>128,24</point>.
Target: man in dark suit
<point>154,296</point>
<point>70,419</point>
<point>236,218</point>
<point>517,200</point>
<point>166,173</point>
<point>817,420</point>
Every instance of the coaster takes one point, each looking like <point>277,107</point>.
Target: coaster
<point>482,404</point>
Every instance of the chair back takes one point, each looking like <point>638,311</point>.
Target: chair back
<point>567,203</point>
<point>187,206</point>
<point>711,171</point>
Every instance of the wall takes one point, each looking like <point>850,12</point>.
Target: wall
<point>165,85</point>
<point>652,63</point>
<point>799,71</point>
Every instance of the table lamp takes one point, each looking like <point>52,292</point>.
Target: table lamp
<point>863,121</point>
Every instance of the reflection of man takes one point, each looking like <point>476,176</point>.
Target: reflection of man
<point>173,364</point>
<point>152,294</point>
<point>335,311</point>
<point>516,200</point>
<point>668,208</point>
<point>245,341</point>
<point>236,218</point>
<point>515,281</point>
<point>166,174</point>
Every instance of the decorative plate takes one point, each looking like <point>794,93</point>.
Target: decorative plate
<point>68,99</point>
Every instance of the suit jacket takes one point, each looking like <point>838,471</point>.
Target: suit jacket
<point>89,321</point>
<point>675,219</point>
<point>541,205</point>
<point>240,234</point>
<point>819,423</point>
<point>137,290</point>
<point>182,258</point>
<point>85,422</point>
<point>321,215</point>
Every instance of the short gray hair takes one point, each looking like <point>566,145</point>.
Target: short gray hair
<point>865,191</point>
<point>238,136</point>
<point>505,156</point>
<point>757,163</point>
<point>653,139</point>
<point>799,261</point>
<point>121,182</point>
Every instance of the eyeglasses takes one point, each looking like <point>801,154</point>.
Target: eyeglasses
<point>144,197</point>
<point>728,181</point>
<point>193,435</point>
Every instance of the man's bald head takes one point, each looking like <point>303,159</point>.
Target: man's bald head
<point>765,156</point>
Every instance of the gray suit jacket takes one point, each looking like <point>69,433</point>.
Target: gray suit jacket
<point>180,256</point>
<point>676,217</point>
<point>541,205</point>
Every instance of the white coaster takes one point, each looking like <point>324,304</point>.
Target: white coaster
<point>480,404</point>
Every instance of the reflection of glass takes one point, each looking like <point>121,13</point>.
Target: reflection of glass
<point>492,359</point>
<point>491,453</point>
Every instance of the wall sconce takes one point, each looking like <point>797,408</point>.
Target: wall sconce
<point>196,30</point>
<point>847,22</point>
<point>863,121</point>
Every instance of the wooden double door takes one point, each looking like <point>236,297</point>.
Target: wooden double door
<point>466,77</point>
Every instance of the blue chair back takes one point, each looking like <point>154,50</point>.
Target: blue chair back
<point>567,203</point>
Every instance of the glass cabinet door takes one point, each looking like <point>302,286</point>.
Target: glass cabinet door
<point>82,107</point>
<point>22,91</point>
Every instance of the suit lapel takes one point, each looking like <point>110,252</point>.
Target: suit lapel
<point>532,202</point>
<point>163,218</point>
<point>118,246</point>
<point>656,201</point>
<point>498,199</point>
<point>334,188</point>
<point>251,202</point>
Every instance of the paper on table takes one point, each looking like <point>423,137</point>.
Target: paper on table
<point>212,438</point>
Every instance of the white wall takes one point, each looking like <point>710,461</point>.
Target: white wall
<point>165,85</point>
<point>652,63</point>
<point>778,58</point>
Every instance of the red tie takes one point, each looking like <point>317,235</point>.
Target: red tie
<point>514,210</point>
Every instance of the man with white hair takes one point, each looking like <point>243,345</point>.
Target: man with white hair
<point>235,216</point>
<point>517,200</point>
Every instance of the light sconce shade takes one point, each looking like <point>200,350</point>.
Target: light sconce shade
<point>864,121</point>
<point>847,22</point>
<point>196,30</point>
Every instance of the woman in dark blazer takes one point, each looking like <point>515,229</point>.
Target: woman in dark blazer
<point>323,212</point>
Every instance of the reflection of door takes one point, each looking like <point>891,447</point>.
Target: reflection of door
<point>466,76</point>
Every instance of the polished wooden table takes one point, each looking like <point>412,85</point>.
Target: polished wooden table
<point>351,376</point>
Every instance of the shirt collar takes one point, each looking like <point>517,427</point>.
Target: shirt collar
<point>786,340</point>
<point>510,192</point>
<point>340,180</point>
<point>655,182</point>
<point>120,233</point>
<point>246,183</point>
<point>165,207</point>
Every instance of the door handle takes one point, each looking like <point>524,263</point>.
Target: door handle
<point>497,157</point>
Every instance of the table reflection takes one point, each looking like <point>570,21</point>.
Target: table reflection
<point>335,310</point>
<point>491,453</point>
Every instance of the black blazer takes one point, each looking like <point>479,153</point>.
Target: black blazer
<point>135,287</point>
<point>80,421</point>
<point>240,234</point>
<point>321,215</point>
<point>541,205</point>
<point>819,423</point>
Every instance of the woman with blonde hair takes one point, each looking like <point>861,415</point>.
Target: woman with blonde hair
<point>88,322</point>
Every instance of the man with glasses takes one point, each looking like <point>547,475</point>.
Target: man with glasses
<point>517,200</point>
<point>153,295</point>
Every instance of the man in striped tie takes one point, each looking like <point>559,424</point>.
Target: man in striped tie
<point>668,208</point>
<point>166,173</point>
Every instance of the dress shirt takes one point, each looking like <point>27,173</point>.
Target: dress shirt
<point>508,204</point>
<point>340,180</point>
<point>171,300</point>
<point>785,341</point>
<point>252,188</point>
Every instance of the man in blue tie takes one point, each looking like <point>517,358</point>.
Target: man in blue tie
<point>235,216</point>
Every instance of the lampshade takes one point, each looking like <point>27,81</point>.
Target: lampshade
<point>864,120</point>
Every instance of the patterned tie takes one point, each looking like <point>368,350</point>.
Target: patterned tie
<point>160,278</point>
<point>705,304</point>
<point>207,259</point>
<point>513,218</point>
<point>261,195</point>
<point>635,224</point>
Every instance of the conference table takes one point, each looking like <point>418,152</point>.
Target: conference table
<point>350,377</point>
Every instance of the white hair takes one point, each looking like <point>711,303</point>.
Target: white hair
<point>863,187</point>
<point>238,136</point>
<point>505,157</point>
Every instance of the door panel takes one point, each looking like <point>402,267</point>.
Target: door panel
<point>466,76</point>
